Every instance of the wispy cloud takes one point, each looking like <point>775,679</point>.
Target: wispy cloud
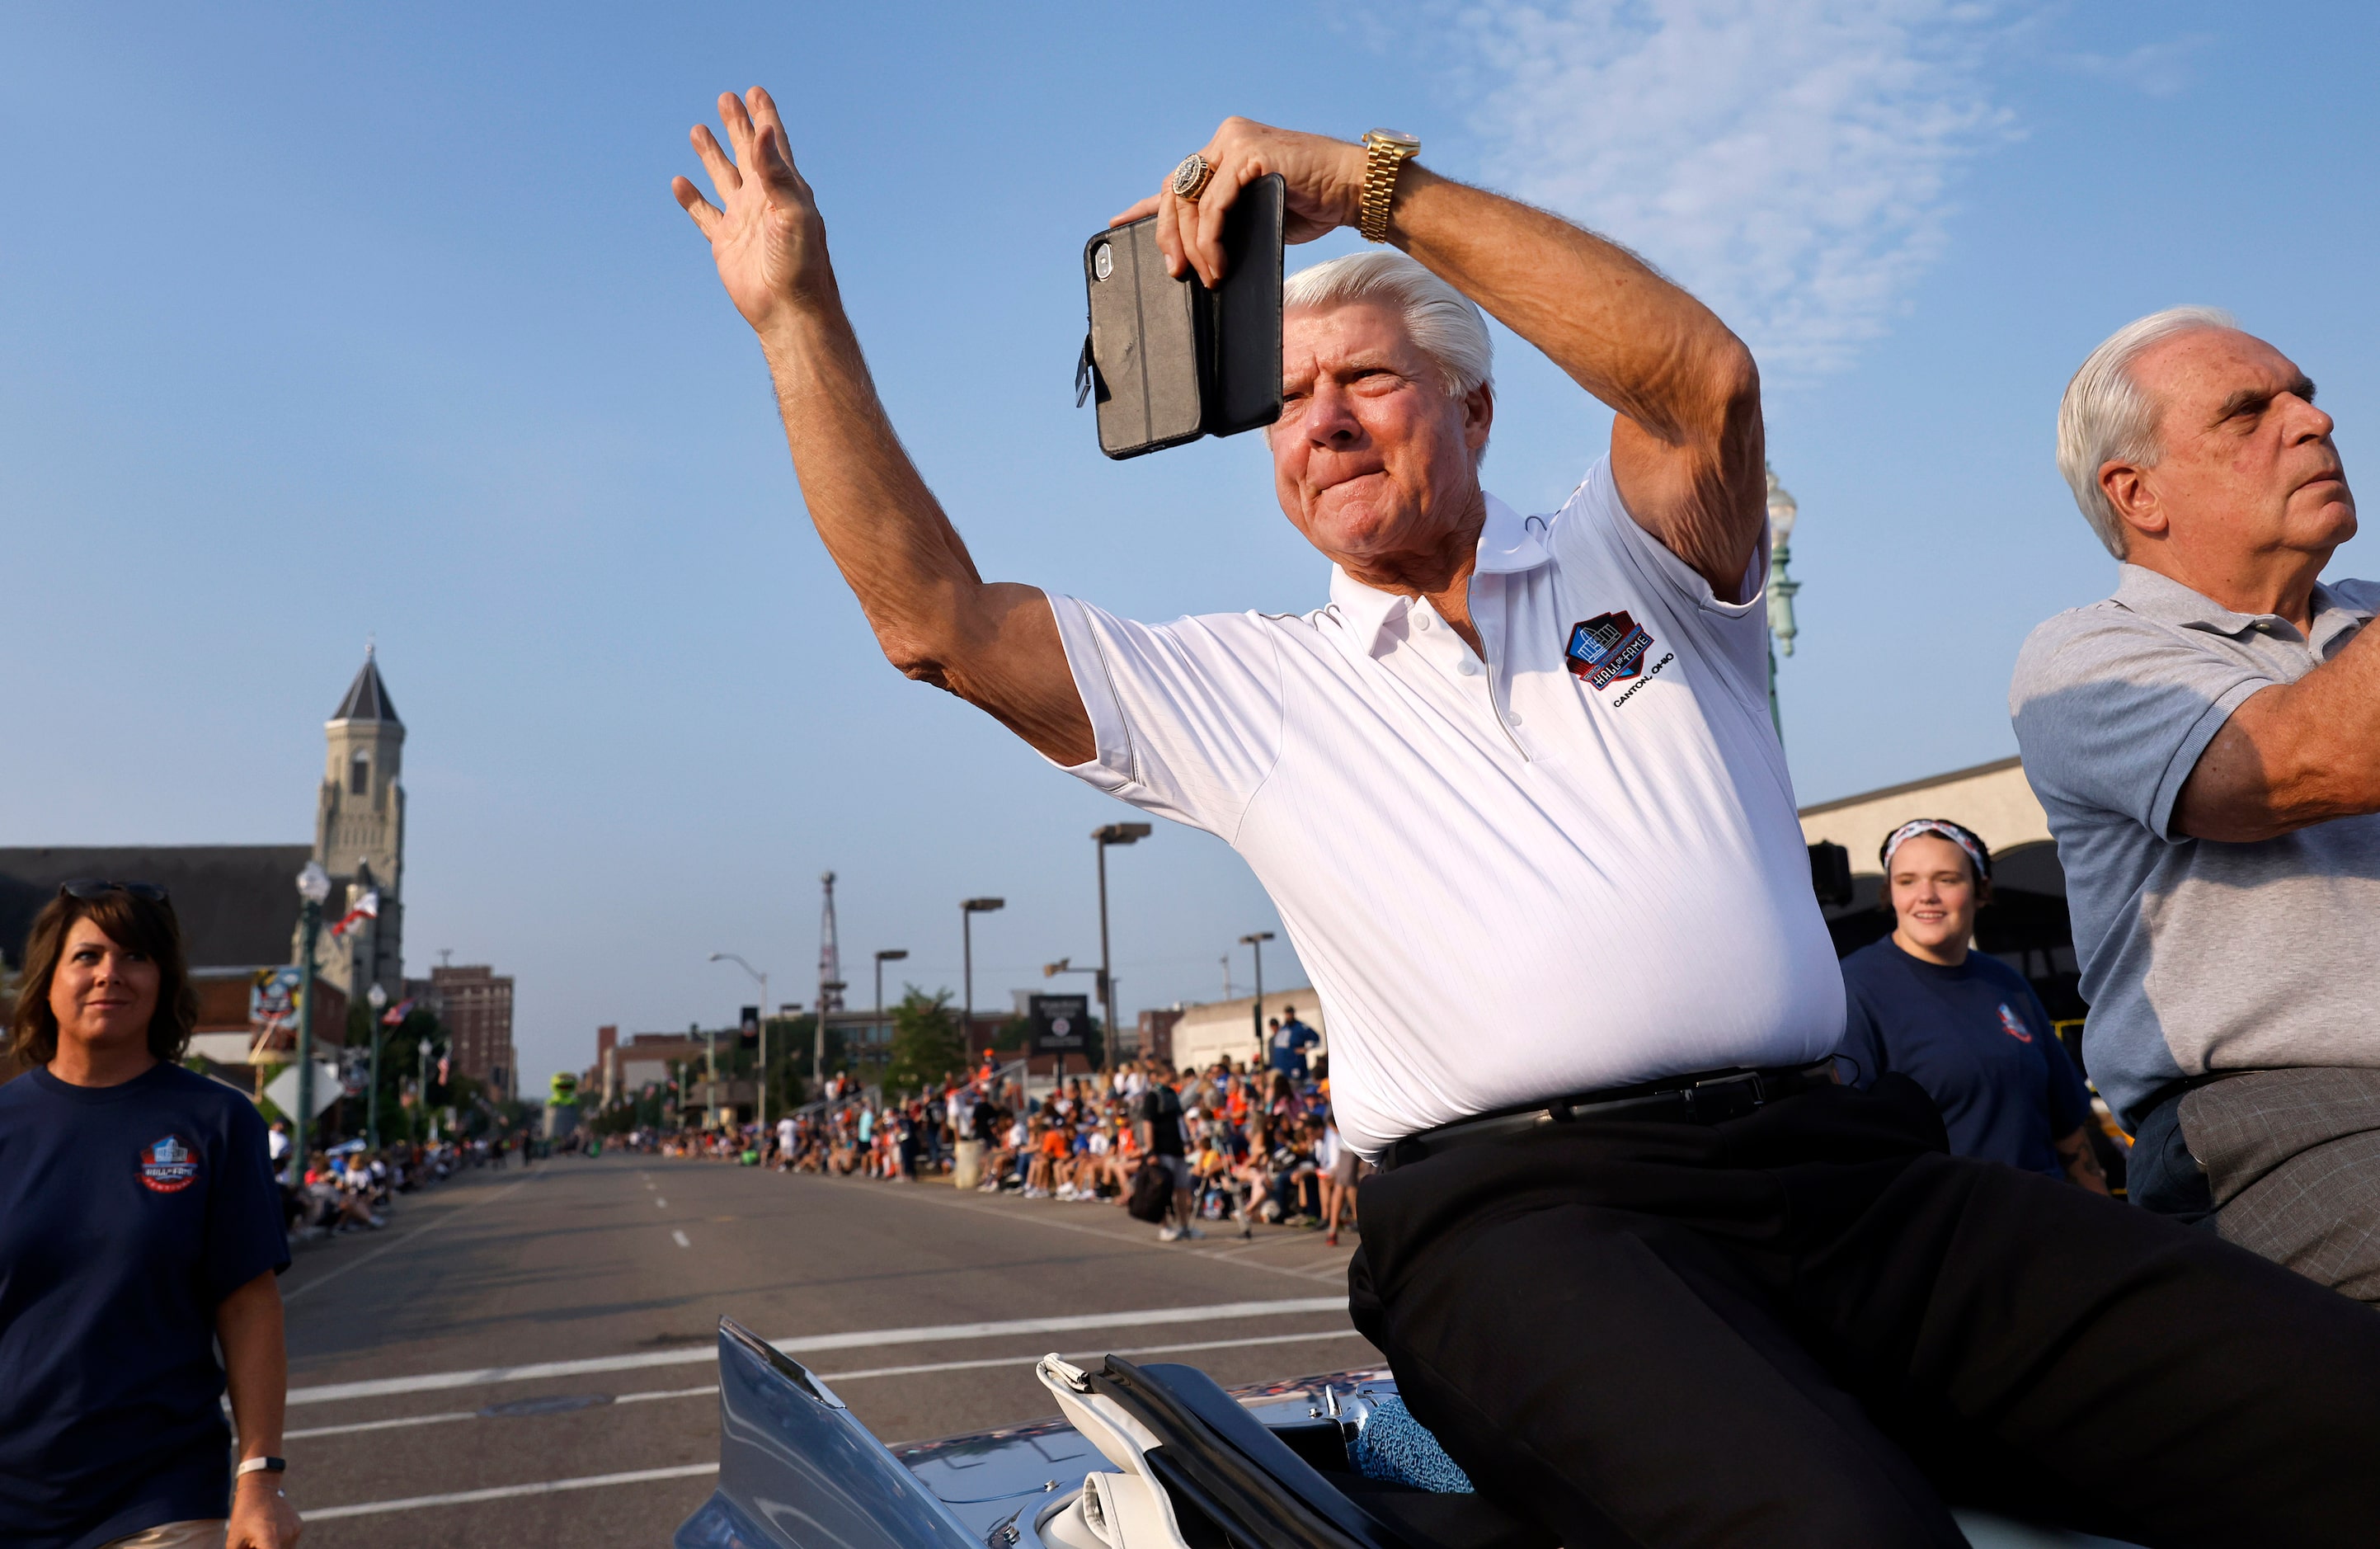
<point>2153,69</point>
<point>1788,160</point>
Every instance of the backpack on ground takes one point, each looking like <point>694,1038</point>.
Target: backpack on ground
<point>1152,1192</point>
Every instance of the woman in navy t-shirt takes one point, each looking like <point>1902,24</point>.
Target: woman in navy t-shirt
<point>139,1224</point>
<point>1964,1026</point>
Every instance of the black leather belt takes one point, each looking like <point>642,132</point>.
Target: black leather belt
<point>1707,1097</point>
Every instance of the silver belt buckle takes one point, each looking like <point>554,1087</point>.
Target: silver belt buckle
<point>1758,1095</point>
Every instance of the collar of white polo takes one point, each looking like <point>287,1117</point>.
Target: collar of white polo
<point>1509,543</point>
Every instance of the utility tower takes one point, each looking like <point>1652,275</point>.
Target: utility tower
<point>830,985</point>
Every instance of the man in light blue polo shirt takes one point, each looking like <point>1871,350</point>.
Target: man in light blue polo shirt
<point>2206,743</point>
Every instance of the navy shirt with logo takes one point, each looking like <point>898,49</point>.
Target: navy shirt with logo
<point>127,1214</point>
<point>1976,1037</point>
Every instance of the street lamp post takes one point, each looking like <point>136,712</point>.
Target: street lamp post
<point>1782,511</point>
<point>968,909</point>
<point>1104,835</point>
<point>377,999</point>
<point>314,887</point>
<point>1257,1015</point>
<point>890,954</point>
<point>762,1101</point>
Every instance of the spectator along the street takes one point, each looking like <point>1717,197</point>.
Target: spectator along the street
<point>141,1230</point>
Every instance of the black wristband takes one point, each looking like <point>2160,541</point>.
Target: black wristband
<point>263,1466</point>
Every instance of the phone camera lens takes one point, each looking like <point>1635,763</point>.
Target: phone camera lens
<point>1103,260</point>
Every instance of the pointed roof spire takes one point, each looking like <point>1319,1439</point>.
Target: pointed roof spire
<point>366,696</point>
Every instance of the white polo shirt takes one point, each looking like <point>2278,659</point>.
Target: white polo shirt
<point>1575,866</point>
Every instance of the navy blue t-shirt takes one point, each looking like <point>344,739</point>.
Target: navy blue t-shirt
<point>1289,1045</point>
<point>127,1213</point>
<point>1976,1037</point>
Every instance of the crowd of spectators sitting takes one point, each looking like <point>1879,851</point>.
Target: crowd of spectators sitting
<point>1260,1143</point>
<point>350,1189</point>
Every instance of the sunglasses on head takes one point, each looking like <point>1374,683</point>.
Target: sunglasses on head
<point>88,888</point>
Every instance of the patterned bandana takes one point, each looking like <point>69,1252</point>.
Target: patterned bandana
<point>1977,851</point>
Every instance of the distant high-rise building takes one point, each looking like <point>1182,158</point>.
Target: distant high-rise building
<point>476,1003</point>
<point>359,837</point>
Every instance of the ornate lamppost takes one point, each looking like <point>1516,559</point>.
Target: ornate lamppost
<point>1782,511</point>
<point>313,890</point>
<point>378,999</point>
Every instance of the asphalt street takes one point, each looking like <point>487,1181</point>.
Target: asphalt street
<point>539,1343</point>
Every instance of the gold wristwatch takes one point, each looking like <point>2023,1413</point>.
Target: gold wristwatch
<point>1385,151</point>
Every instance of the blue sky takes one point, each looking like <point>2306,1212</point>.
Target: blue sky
<point>327,321</point>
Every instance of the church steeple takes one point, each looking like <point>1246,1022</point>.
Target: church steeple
<point>366,696</point>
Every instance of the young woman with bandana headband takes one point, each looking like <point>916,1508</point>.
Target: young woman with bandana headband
<point>1964,1026</point>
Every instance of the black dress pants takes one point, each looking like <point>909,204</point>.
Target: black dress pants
<point>1812,1327</point>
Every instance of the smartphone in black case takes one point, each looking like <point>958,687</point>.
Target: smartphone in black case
<point>1169,360</point>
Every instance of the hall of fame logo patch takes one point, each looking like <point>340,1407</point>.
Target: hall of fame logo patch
<point>168,1166</point>
<point>1607,648</point>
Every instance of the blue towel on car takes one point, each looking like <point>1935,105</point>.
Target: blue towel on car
<point>1394,1446</point>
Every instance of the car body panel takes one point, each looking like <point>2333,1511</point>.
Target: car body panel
<point>797,1471</point>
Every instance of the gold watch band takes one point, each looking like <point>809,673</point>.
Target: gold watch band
<point>1383,155</point>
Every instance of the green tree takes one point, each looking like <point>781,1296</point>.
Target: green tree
<point>925,1042</point>
<point>401,1073</point>
<point>789,1061</point>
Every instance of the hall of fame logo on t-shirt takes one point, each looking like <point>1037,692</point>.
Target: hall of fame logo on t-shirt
<point>168,1166</point>
<point>2013,1025</point>
<point>1607,648</point>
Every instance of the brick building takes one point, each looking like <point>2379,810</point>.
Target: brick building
<point>476,1003</point>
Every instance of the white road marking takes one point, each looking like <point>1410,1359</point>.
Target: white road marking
<point>665,1393</point>
<point>681,1240</point>
<point>288,1297</point>
<point>442,1418</point>
<point>431,1382</point>
<point>661,1203</point>
<point>507,1491</point>
<point>379,1424</point>
<point>649,1396</point>
<point>1028,1360</point>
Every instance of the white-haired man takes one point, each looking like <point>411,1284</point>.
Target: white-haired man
<point>2206,743</point>
<point>1647,1273</point>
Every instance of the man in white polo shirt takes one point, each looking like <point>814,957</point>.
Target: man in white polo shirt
<point>1645,1271</point>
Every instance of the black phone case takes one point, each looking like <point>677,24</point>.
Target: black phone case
<point>1168,361</point>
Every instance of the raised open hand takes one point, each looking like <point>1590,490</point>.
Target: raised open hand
<point>765,232</point>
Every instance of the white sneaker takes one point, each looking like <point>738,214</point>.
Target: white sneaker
<point>1167,1233</point>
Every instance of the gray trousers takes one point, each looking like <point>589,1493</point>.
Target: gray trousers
<point>2292,1162</point>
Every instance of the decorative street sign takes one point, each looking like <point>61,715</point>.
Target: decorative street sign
<point>284,1089</point>
<point>1061,1024</point>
